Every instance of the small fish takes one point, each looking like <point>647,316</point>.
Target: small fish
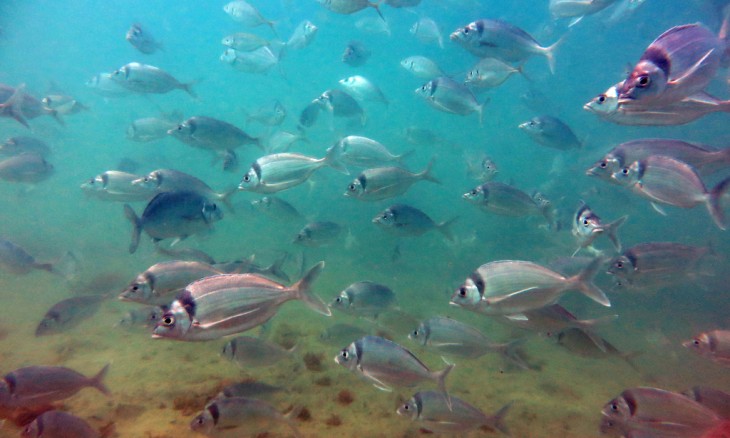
<point>104,85</point>
<point>222,305</point>
<point>281,141</point>
<point>276,172</point>
<point>143,78</point>
<point>244,42</point>
<point>58,424</point>
<point>251,389</point>
<point>490,73</point>
<point>373,25</point>
<point>68,313</point>
<point>505,200</point>
<point>172,214</point>
<point>361,151</point>
<point>339,334</point>
<point>363,89</point>
<point>64,104</point>
<point>431,411</point>
<point>28,167</point>
<point>16,260</point>
<point>246,14</point>
<point>248,266</point>
<point>147,316</point>
<point>242,415</point>
<point>36,386</point>
<point>258,61</point>
<point>159,281</point>
<point>253,352</point>
<point>170,180</point>
<point>347,7</point>
<point>355,54</point>
<point>577,9</point>
<point>712,398</point>
<point>422,67</point>
<point>583,344</point>
<point>341,104</point>
<point>302,36</point>
<point>276,208</point>
<point>114,185</point>
<point>427,31</point>
<point>508,286</point>
<point>364,298</point>
<point>212,134</point>
<point>587,226</point>
<point>386,182</point>
<point>404,220</point>
<point>713,345</point>
<point>318,233</point>
<point>554,318</point>
<point>485,169</point>
<point>149,129</point>
<point>498,39</point>
<point>270,114</point>
<point>551,132</point>
<point>387,364</point>
<point>142,39</point>
<point>19,145</point>
<point>447,95</point>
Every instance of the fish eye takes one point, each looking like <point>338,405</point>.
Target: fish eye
<point>585,221</point>
<point>246,178</point>
<point>135,288</point>
<point>603,165</point>
<point>385,216</point>
<point>423,87</point>
<point>614,407</point>
<point>168,321</point>
<point>345,355</point>
<point>462,292</point>
<point>466,30</point>
<point>620,265</point>
<point>179,127</point>
<point>351,187</point>
<point>643,81</point>
<point>406,407</point>
<point>625,170</point>
<point>696,342</point>
<point>415,333</point>
<point>473,192</point>
<point>338,300</point>
<point>601,98</point>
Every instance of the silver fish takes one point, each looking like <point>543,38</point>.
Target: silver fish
<point>508,286</point>
<point>254,352</point>
<point>223,305</point>
<point>142,39</point>
<point>159,281</point>
<point>714,345</point>
<point>243,12</point>
<point>68,313</point>
<point>505,200</point>
<point>554,318</point>
<point>490,73</point>
<point>104,85</point>
<point>16,260</point>
<point>143,78</point>
<point>364,298</point>
<point>20,144</point>
<point>431,411</point>
<point>485,169</point>
<point>302,36</point>
<point>577,9</point>
<point>241,415</point>
<point>347,7</point>
<point>449,96</point>
<point>172,214</point>
<point>270,114</point>
<point>405,220</point>
<point>356,54</point>
<point>386,182</point>
<point>361,151</point>
<point>248,266</point>
<point>712,398</point>
<point>276,172</point>
<point>259,60</point>
<point>551,132</point>
<point>114,185</point>
<point>582,343</point>
<point>339,334</point>
<point>587,226</point>
<point>341,104</point>
<point>28,167</point>
<point>64,104</point>
<point>427,31</point>
<point>276,208</point>
<point>170,180</point>
<point>212,134</point>
<point>146,316</point>
<point>149,129</point>
<point>499,39</point>
<point>363,89</point>
<point>318,233</point>
<point>281,141</point>
<point>244,42</point>
<point>58,424</point>
<point>388,364</point>
<point>422,67</point>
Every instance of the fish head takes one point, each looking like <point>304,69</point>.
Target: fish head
<point>348,82</point>
<point>604,103</point>
<point>627,175</point>
<point>205,421</point>
<point>135,33</point>
<point>605,168</point>
<point>387,218</point>
<point>533,126</point>
<point>229,56</point>
<point>586,223</point>
<point>420,334</point>
<point>347,357</point>
<point>477,195</point>
<point>621,266</point>
<point>309,28</point>
<point>122,74</point>
<point>174,323</point>
<point>140,290</point>
<point>621,408</point>
<point>647,80</point>
<point>427,90</point>
<point>183,130</point>
<point>468,295</point>
<point>211,212</point>
<point>250,180</point>
<point>227,41</point>
<point>151,182</point>
<point>702,345</point>
<point>48,325</point>
<point>357,187</point>
<point>408,63</point>
<point>464,35</point>
<point>304,237</point>
<point>409,409</point>
<point>610,426</point>
<point>489,169</point>
<point>341,301</point>
<point>472,76</point>
<point>96,184</point>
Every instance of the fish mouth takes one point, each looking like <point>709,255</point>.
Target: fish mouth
<point>455,35</point>
<point>589,106</point>
<point>591,171</point>
<point>523,125</point>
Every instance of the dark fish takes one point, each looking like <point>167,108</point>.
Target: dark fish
<point>712,398</point>
<point>142,39</point>
<point>68,313</point>
<point>404,220</point>
<point>28,167</point>
<point>551,132</point>
<point>247,415</point>
<point>58,424</point>
<point>318,233</point>
<point>254,352</point>
<point>581,343</point>
<point>19,105</point>
<point>356,54</point>
<point>41,385</point>
<point>143,78</point>
<point>309,115</point>
<point>16,260</point>
<point>714,345</point>
<point>364,298</point>
<point>341,104</point>
<point>173,214</point>
<point>19,145</point>
<point>170,180</point>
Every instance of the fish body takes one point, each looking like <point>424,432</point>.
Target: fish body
<point>341,104</point>
<point>244,42</point>
<point>364,298</point>
<point>587,226</point>
<point>385,182</point>
<point>281,141</point>
<point>115,185</point>
<point>277,172</point>
<point>254,352</point>
<point>302,36</point>
<point>173,214</point>
<point>498,39</point>
<point>259,60</point>
<point>223,305</point>
<point>347,7</point>
<point>276,208</point>
<point>170,180</point>
<point>714,345</point>
<point>64,104</point>
<point>579,342</point>
<point>361,151</point>
<point>142,39</point>
<point>318,233</point>
<point>387,364</point>
<point>246,14</point>
<point>552,319</point>
<point>20,144</point>
<point>239,414</point>
<point>68,313</point>
<point>577,9</point>
<point>355,54</point>
<point>509,286</point>
<point>16,260</point>
<point>712,398</point>
<point>270,114</point>
<point>16,103</point>
<point>490,73</point>
<point>363,89</point>
<point>143,78</point>
<point>58,424</point>
<point>213,134</point>
<point>146,316</point>
<point>159,281</point>
<point>149,129</point>
<point>28,167</point>
<point>504,200</point>
<point>252,389</point>
<point>104,85</point>
<point>447,95</point>
<point>405,220</point>
<point>485,169</point>
<point>427,31</point>
<point>422,67</point>
<point>339,334</point>
<point>431,411</point>
<point>551,132</point>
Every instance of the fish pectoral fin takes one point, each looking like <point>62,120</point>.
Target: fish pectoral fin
<point>224,320</point>
<point>378,384</point>
<point>692,70</point>
<point>447,344</point>
<point>517,317</point>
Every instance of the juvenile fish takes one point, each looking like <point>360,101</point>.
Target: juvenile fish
<point>427,31</point>
<point>68,313</point>
<point>356,54</point>
<point>277,172</point>
<point>142,39</point>
<point>159,281</point>
<point>422,67</point>
<point>364,298</point>
<point>16,260</point>
<point>318,233</point>
<point>276,208</point>
<point>253,352</point>
<point>713,345</point>
<point>149,129</point>
<point>490,73</point>
<point>363,89</point>
<point>104,85</point>
<point>20,144</point>
<point>360,151</point>
<point>28,167</point>
<point>246,14</point>
<point>447,95</point>
<point>58,424</point>
<point>244,42</point>
<point>386,182</point>
<point>505,200</point>
<point>302,36</point>
<point>142,78</point>
<point>404,220</point>
<point>551,132</point>
<point>587,226</point>
<point>114,185</point>
<point>485,169</point>
<point>242,414</point>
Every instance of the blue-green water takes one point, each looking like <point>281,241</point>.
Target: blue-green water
<point>158,385</point>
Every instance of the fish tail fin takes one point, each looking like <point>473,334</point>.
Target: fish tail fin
<point>136,227</point>
<point>713,202</point>
<point>303,292</point>
<point>98,380</point>
<point>410,152</point>
<point>496,421</point>
<point>611,232</point>
<point>550,52</point>
<point>510,351</point>
<point>276,268</point>
<point>377,9</point>
<point>188,88</point>
<point>332,159</point>
<point>13,106</point>
<point>66,266</point>
<point>290,416</point>
<point>226,199</point>
<point>441,379</point>
<point>445,228</point>
<point>427,173</point>
<point>584,283</point>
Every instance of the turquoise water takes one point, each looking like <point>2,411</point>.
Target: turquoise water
<point>159,385</point>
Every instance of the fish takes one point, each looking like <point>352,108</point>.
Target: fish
<point>448,337</point>
<point>246,14</point>
<point>484,170</point>
<point>277,209</point>
<point>21,144</point>
<point>302,36</point>
<point>587,226</point>
<point>655,265</point>
<point>242,414</point>
<point>712,398</point>
<point>405,220</point>
<point>170,180</point>
<point>339,334</point>
<point>551,132</point>
<point>347,7</point>
<point>270,114</point>
<point>281,141</point>
<point>510,286</point>
<point>246,351</point>
<point>583,344</point>
<point>149,129</point>
<point>159,281</point>
<point>490,73</point>
<point>17,104</point>
<point>355,150</point>
<point>16,260</point>
<point>39,385</point>
<point>28,167</point>
<point>705,159</point>
<point>227,304</point>
<point>386,364</point>
<point>427,31</point>
<point>251,389</point>
<point>365,299</point>
<point>310,113</point>
<point>386,182</point>
<point>373,25</point>
<point>431,411</point>
<point>276,172</point>
<point>447,95</point>
<point>67,314</point>
<point>248,266</point>
<point>143,78</point>
<point>341,104</point>
<point>58,424</point>
<point>713,345</point>
<point>422,67</point>
<point>172,214</point>
<point>577,9</point>
<point>64,104</point>
<point>212,134</point>
<point>104,85</point>
<point>487,38</point>
<point>142,39</point>
<point>363,89</point>
<point>258,61</point>
<point>505,200</point>
<point>356,54</point>
<point>679,63</point>
<point>244,42</point>
<point>146,316</point>
<point>115,185</point>
<point>318,233</point>
<point>665,180</point>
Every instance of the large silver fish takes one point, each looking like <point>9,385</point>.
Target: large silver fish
<point>259,60</point>
<point>490,73</point>
<point>577,9</point>
<point>277,172</point>
<point>364,298</point>
<point>509,286</point>
<point>159,281</point>
<point>449,96</point>
<point>386,182</point>
<point>587,226</point>
<point>142,39</point>
<point>714,345</point>
<point>223,305</point>
<point>244,42</point>
<point>149,129</point>
<point>427,31</point>
<point>363,89</point>
<point>114,185</point>
<point>241,416</point>
<point>318,233</point>
<point>143,78</point>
